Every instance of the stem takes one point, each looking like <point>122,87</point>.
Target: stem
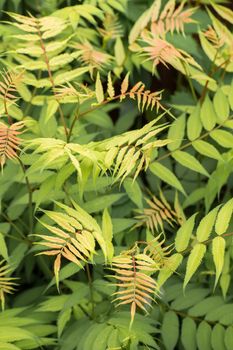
<point>119,97</point>
<point>30,192</point>
<point>76,116</point>
<point>13,225</point>
<point>190,84</point>
<point>213,71</point>
<point>89,278</point>
<point>26,179</point>
<point>191,142</point>
<point>51,79</point>
<point>207,242</point>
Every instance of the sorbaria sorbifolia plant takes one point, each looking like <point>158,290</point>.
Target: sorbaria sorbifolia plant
<point>116,156</point>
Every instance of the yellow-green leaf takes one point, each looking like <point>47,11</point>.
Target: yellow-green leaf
<point>172,263</point>
<point>119,52</point>
<point>230,96</point>
<point>194,125</point>
<point>222,137</point>
<point>221,105</point>
<point>99,89</point>
<point>107,230</point>
<point>224,12</point>
<point>206,225</point>
<point>125,84</point>
<point>184,233</point>
<point>206,149</point>
<point>111,91</point>
<point>224,217</point>
<point>208,115</point>
<point>189,162</point>
<point>57,266</point>
<point>218,250</point>
<point>194,261</point>
<point>176,133</point>
<point>166,175</point>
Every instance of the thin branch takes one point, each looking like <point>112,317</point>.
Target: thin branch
<point>51,79</point>
<point>191,142</point>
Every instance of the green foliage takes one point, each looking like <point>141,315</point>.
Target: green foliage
<point>116,154</point>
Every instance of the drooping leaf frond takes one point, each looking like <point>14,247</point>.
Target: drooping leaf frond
<point>8,88</point>
<point>7,284</point>
<point>172,19</point>
<point>135,286</point>
<point>120,155</point>
<point>159,50</point>
<point>159,211</point>
<point>91,57</point>
<point>73,236</point>
<point>131,152</point>
<point>213,37</point>
<point>145,98</point>
<point>72,93</point>
<point>112,27</point>
<point>49,26</point>
<point>9,141</point>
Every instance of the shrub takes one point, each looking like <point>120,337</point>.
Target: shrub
<point>116,186</point>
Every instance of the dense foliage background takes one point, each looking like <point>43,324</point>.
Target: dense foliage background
<point>116,153</point>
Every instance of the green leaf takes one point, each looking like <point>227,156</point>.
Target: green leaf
<point>190,298</point>
<point>113,340</point>
<point>45,190</point>
<point>51,109</point>
<point>205,227</point>
<point>204,336</point>
<point>3,247</point>
<point>184,234</point>
<point>172,263</point>
<point>189,162</point>
<point>218,312</point>
<point>217,337</point>
<point>107,230</point>
<point>102,202</point>
<point>176,133</point>
<point>194,197</point>
<point>225,280</point>
<point>143,20</point>
<point>194,261</point>
<point>170,326</point>
<point>194,126</point>
<point>206,149</point>
<point>63,318</point>
<point>206,305</point>
<point>228,339</point>
<point>166,175</point>
<point>188,334</point>
<point>221,105</point>
<point>69,76</point>
<point>99,89</point>
<point>67,271</point>
<point>222,137</point>
<point>8,346</point>
<point>218,250</point>
<point>93,332</point>
<point>102,339</point>
<point>208,115</point>
<point>230,96</point>
<point>224,217</point>
<point>10,334</point>
<point>133,191</point>
<point>119,52</point>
